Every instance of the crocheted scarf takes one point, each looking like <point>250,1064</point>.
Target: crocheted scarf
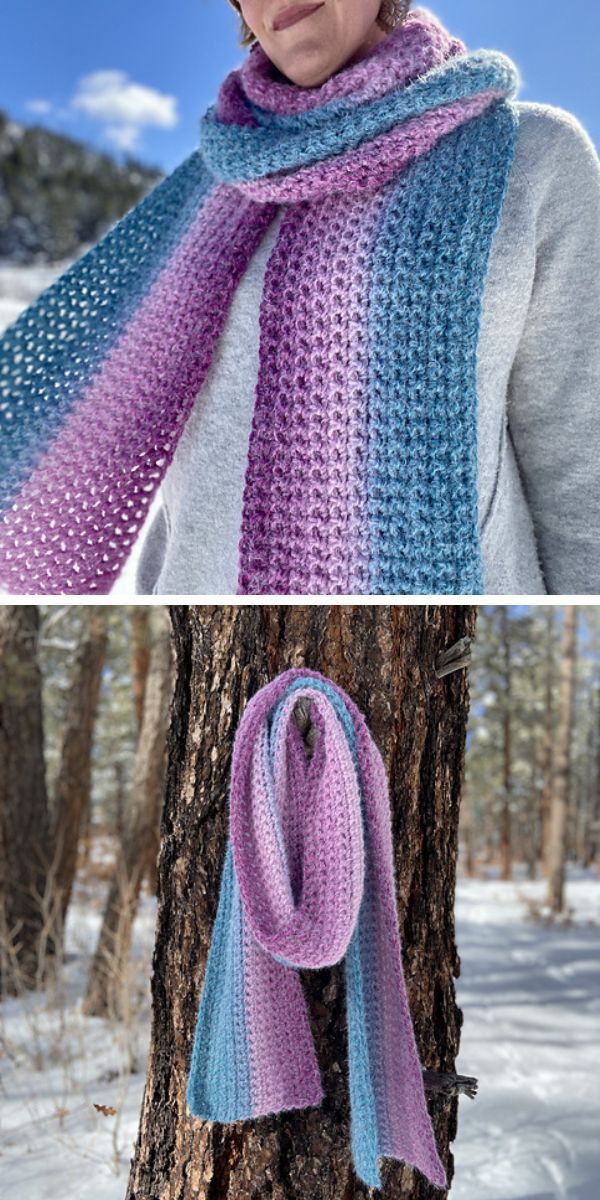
<point>308,881</point>
<point>361,474</point>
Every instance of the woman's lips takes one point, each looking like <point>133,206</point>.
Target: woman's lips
<point>291,16</point>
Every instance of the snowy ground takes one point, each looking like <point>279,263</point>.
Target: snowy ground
<point>56,1064</point>
<point>531,1002</point>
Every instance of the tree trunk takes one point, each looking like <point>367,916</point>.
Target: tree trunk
<point>585,789</point>
<point>530,839</point>
<point>546,793</point>
<point>591,838</point>
<point>385,659</point>
<point>489,854</point>
<point>25,901</point>
<point>505,811</point>
<point>107,992</point>
<point>560,791</point>
<point>72,794</point>
<point>466,827</point>
<point>119,823</point>
<point>140,657</point>
<point>141,637</point>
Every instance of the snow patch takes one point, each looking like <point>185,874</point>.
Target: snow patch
<point>57,1064</point>
<point>530,996</point>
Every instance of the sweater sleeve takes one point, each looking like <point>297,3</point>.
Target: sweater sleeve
<point>152,554</point>
<point>553,402</point>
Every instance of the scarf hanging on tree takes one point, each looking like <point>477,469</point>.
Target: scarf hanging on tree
<point>362,462</point>
<point>308,881</point>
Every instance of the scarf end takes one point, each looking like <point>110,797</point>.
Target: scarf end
<point>369,1173</point>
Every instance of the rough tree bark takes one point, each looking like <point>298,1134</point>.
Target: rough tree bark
<point>25,912</point>
<point>72,792</point>
<point>385,659</point>
<point>107,986</point>
<point>557,844</point>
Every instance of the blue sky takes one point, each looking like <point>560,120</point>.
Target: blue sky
<point>137,74</point>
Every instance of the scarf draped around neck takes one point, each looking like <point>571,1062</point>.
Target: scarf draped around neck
<point>361,474</point>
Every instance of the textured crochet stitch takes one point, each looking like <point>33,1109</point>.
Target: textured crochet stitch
<point>308,881</point>
<point>361,474</point>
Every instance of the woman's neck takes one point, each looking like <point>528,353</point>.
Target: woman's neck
<point>374,37</point>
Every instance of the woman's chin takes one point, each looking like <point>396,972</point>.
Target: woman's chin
<point>308,66</point>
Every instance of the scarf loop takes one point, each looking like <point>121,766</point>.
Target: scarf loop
<point>361,474</point>
<point>308,881</point>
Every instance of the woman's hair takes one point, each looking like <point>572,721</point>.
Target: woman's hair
<point>246,35</point>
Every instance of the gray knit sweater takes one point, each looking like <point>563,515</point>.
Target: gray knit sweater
<point>538,387</point>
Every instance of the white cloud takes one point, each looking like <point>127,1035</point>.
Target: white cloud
<point>124,108</point>
<point>124,136</point>
<point>38,106</point>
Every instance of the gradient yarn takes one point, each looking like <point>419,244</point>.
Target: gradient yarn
<point>362,464</point>
<point>308,881</point>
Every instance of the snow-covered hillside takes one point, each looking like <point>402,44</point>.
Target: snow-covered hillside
<point>20,286</point>
<point>531,1002</point>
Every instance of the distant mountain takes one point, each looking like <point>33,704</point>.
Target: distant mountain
<point>58,195</point>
